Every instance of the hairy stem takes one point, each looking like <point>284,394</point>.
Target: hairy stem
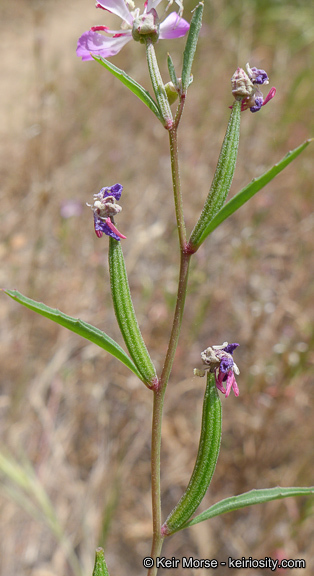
<point>158,407</point>
<point>173,139</point>
<point>185,256</point>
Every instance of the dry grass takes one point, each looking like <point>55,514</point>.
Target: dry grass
<point>75,414</point>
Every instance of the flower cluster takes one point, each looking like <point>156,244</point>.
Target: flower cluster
<point>105,208</point>
<point>219,361</point>
<point>134,25</point>
<point>244,87</point>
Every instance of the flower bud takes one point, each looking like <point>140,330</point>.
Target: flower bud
<point>146,26</point>
<point>172,93</point>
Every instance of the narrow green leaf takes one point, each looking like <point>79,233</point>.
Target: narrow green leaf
<point>78,326</point>
<point>249,499</point>
<point>205,463</point>
<point>190,47</point>
<point>172,72</point>
<point>134,86</point>
<point>222,178</point>
<point>125,314</point>
<point>246,193</point>
<point>100,568</point>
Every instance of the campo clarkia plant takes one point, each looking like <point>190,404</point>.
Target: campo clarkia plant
<point>143,24</point>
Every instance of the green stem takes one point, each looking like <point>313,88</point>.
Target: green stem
<point>155,471</point>
<point>177,320</point>
<point>159,392</point>
<point>173,138</point>
<point>158,408</point>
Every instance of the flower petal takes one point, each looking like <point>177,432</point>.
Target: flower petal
<point>226,364</point>
<point>114,191</point>
<point>99,45</point>
<point>114,230</point>
<point>102,227</point>
<point>219,381</point>
<point>270,95</point>
<point>173,27</point>
<point>231,383</point>
<point>230,348</point>
<point>119,8</point>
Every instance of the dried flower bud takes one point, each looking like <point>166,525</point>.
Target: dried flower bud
<point>244,88</point>
<point>219,361</point>
<point>241,84</point>
<point>104,209</point>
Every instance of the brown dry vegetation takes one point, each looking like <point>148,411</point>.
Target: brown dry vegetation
<point>70,411</point>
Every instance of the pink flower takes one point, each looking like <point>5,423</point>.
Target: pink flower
<point>92,43</point>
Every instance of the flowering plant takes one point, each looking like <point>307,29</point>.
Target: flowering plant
<point>218,362</point>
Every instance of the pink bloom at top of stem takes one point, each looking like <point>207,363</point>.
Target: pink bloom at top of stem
<point>92,43</point>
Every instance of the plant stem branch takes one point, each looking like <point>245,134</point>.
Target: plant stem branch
<point>185,255</point>
<point>155,471</point>
<point>173,138</point>
<point>158,407</point>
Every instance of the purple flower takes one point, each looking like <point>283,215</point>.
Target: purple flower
<point>219,361</point>
<point>105,208</point>
<point>92,43</point>
<point>256,100</point>
<point>244,87</point>
<point>256,75</point>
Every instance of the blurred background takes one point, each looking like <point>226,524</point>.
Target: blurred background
<point>75,424</point>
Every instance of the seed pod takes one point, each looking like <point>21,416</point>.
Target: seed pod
<point>222,178</point>
<point>205,464</point>
<point>125,314</point>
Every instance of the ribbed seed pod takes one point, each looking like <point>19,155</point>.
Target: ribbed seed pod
<point>222,178</point>
<point>206,460</point>
<point>125,314</point>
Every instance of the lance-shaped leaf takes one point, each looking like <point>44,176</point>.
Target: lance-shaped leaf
<point>246,193</point>
<point>222,178</point>
<point>190,47</point>
<point>172,72</point>
<point>100,568</point>
<point>125,314</point>
<point>249,499</point>
<point>134,86</point>
<point>78,326</point>
<point>205,463</point>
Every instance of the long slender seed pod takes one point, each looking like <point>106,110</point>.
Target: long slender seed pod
<point>158,85</point>
<point>222,178</point>
<point>205,464</point>
<point>125,314</point>
<point>100,568</point>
